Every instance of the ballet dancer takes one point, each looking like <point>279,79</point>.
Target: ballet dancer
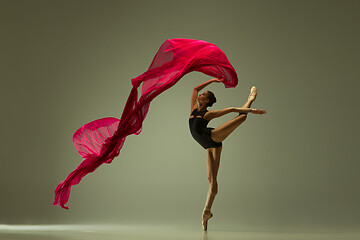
<point>211,139</point>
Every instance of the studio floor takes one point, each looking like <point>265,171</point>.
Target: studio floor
<point>155,232</point>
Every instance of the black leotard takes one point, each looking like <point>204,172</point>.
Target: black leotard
<point>200,132</point>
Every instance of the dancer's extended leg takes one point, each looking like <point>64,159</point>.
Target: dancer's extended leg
<point>213,163</point>
<point>247,104</point>
<point>220,133</point>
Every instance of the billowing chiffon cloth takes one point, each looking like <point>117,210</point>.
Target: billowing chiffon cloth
<point>100,141</point>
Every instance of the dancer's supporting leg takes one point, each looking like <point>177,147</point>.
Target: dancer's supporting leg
<point>213,158</point>
<point>213,162</point>
<point>213,155</point>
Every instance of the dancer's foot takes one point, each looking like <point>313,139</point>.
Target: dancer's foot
<point>253,93</point>
<point>205,217</point>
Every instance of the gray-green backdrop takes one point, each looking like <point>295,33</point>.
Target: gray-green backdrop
<point>66,63</point>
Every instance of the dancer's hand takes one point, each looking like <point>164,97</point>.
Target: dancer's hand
<point>258,111</point>
<point>204,84</point>
<point>218,79</point>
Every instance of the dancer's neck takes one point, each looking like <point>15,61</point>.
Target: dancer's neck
<point>201,107</point>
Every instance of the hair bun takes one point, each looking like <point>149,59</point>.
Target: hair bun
<point>211,97</point>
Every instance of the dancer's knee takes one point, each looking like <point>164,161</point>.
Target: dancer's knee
<point>243,116</point>
<point>211,179</point>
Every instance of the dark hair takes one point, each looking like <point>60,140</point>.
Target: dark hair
<point>211,97</point>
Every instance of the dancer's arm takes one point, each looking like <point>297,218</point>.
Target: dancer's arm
<point>218,113</point>
<point>199,88</point>
<point>204,84</point>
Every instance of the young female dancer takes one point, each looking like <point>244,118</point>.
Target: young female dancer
<point>210,138</point>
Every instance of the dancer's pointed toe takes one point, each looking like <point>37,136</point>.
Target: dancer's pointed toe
<point>253,94</point>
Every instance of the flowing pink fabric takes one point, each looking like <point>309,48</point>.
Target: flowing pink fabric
<point>100,141</point>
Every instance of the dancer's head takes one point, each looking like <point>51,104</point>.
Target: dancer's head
<point>208,98</point>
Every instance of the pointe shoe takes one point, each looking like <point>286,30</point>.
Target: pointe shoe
<point>205,217</point>
<point>253,93</point>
